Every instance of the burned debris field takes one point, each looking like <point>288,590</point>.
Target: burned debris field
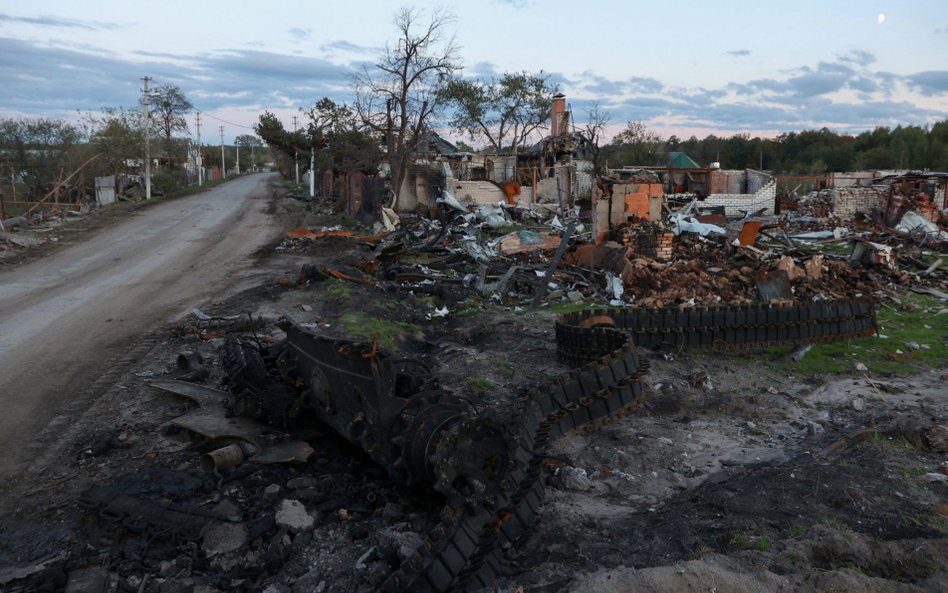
<point>493,398</point>
<point>331,298</point>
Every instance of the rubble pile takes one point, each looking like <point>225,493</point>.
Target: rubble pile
<point>656,268</point>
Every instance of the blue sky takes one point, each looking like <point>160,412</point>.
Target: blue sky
<point>685,68</point>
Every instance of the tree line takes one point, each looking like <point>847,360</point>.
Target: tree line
<point>36,152</point>
<point>810,152</point>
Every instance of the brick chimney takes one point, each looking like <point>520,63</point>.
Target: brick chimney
<point>559,117</point>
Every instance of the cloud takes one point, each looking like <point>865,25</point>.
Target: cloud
<point>92,81</point>
<point>161,54</point>
<point>739,53</point>
<point>348,46</point>
<point>52,21</point>
<point>484,70</point>
<point>600,85</point>
<point>300,34</point>
<point>859,57</point>
<point>645,85</point>
<point>515,3</point>
<point>57,78</point>
<point>931,81</point>
<point>826,78</point>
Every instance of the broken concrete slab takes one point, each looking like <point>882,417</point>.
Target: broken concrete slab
<point>293,516</point>
<point>223,538</point>
<point>211,420</point>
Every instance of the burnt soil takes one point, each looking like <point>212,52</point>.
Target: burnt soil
<point>751,480</point>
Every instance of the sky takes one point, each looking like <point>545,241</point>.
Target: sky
<point>684,68</point>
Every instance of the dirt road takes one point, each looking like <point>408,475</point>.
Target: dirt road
<point>65,317</point>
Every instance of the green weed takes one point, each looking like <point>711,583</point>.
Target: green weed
<point>738,540</point>
<point>939,523</point>
<point>562,308</point>
<point>843,529</point>
<point>797,530</point>
<point>338,289</point>
<point>478,385</point>
<point>762,543</point>
<point>916,321</point>
<point>506,371</point>
<point>368,327</point>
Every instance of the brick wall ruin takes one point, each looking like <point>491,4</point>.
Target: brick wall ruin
<point>847,201</point>
<point>734,204</point>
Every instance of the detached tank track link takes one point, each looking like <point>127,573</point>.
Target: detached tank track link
<point>744,326</point>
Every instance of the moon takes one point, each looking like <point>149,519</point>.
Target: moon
<point>881,18</point>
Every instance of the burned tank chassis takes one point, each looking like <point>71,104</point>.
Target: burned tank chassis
<point>487,462</point>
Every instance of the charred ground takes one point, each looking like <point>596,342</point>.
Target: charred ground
<point>746,471</point>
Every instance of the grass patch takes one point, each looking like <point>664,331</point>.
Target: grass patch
<point>881,439</point>
<point>917,321</point>
<point>289,183</point>
<point>762,543</point>
<point>562,308</point>
<point>939,523</point>
<point>469,306</point>
<point>922,520</point>
<point>843,529</point>
<point>506,371</point>
<point>911,476</point>
<point>738,540</point>
<point>742,541</point>
<point>368,327</point>
<point>478,386</point>
<point>797,530</point>
<point>338,289</point>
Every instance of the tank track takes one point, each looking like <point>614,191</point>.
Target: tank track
<point>715,327</point>
<point>464,551</point>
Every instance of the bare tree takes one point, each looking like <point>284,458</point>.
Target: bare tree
<point>168,108</point>
<point>399,97</point>
<point>597,119</point>
<point>637,145</point>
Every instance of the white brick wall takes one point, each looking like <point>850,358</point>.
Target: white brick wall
<point>848,201</point>
<point>734,203</point>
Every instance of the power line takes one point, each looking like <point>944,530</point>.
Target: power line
<point>230,123</point>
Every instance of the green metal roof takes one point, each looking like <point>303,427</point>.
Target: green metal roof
<point>680,160</point>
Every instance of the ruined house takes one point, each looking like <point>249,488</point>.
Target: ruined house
<point>632,193</point>
<point>557,170</point>
<point>849,195</point>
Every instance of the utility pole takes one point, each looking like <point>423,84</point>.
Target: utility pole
<point>312,173</point>
<point>197,160</point>
<point>223,165</point>
<point>253,163</point>
<point>237,146</point>
<point>146,100</point>
<point>296,155</point>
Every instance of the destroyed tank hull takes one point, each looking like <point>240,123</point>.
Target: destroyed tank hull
<point>488,461</point>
